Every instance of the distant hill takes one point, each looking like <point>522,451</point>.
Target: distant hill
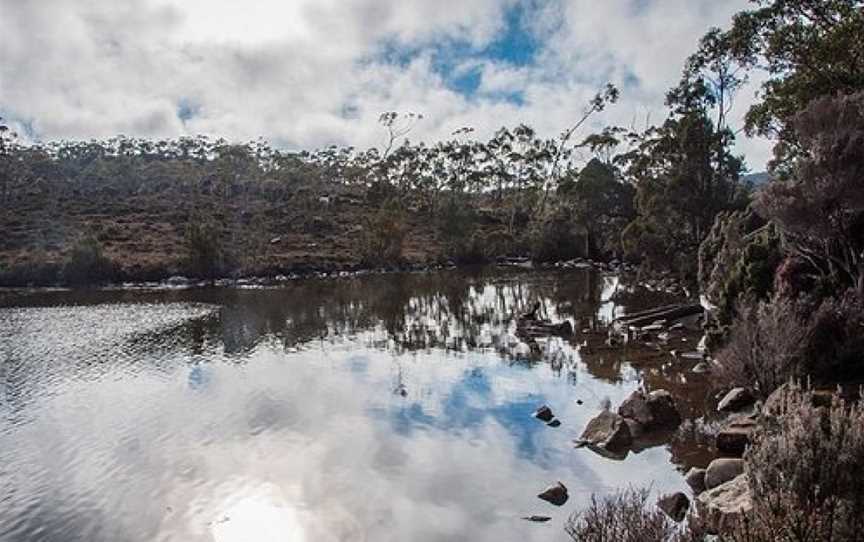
<point>757,179</point>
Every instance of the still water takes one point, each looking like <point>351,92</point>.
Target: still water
<point>393,407</point>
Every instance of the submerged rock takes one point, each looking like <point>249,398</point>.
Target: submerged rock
<point>725,503</point>
<point>675,505</point>
<point>544,413</point>
<point>608,431</point>
<point>735,400</point>
<point>722,470</point>
<point>556,494</point>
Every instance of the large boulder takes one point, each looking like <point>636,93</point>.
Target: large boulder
<point>734,437</point>
<point>722,470</point>
<point>664,412</point>
<point>635,407</point>
<point>556,494</point>
<point>608,431</point>
<point>675,505</point>
<point>725,503</point>
<point>736,399</point>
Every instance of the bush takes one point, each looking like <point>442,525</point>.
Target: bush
<point>738,259</point>
<point>205,253</point>
<point>86,264</point>
<point>804,471</point>
<point>384,236</point>
<point>773,342</point>
<point>621,517</point>
<point>766,347</point>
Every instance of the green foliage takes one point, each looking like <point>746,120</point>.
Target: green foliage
<point>684,175</point>
<point>809,49</point>
<point>738,260</point>
<point>557,236</point>
<point>820,208</point>
<point>205,253</point>
<point>86,264</point>
<point>384,236</point>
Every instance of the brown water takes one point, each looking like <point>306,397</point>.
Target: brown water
<point>394,407</point>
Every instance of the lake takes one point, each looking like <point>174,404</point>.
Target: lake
<point>384,407</point>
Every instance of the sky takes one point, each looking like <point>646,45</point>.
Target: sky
<point>310,73</point>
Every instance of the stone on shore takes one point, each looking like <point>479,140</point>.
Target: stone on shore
<point>725,503</point>
<point>734,437</point>
<point>735,400</point>
<point>695,478</point>
<point>722,470</point>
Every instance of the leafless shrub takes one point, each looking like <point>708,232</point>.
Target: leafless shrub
<point>765,347</point>
<point>773,342</point>
<point>621,517</point>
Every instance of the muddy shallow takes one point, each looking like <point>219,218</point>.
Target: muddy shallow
<point>393,407</point>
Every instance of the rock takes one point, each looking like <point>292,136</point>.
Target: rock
<point>734,437</point>
<point>537,519</point>
<point>556,494</point>
<point>544,413</point>
<point>636,408</point>
<point>664,413</point>
<point>608,431</point>
<point>695,478</point>
<point>554,423</point>
<point>675,505</point>
<point>725,503</point>
<point>722,470</point>
<point>636,428</point>
<point>735,400</point>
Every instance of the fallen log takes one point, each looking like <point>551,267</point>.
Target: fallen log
<point>668,313</point>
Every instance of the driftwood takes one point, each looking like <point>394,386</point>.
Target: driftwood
<point>668,313</point>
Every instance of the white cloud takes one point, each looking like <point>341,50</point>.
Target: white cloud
<point>288,71</point>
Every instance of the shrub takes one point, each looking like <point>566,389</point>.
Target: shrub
<point>766,347</point>
<point>86,264</point>
<point>773,342</point>
<point>738,259</point>
<point>621,517</point>
<point>804,471</point>
<point>384,236</point>
<point>205,253</point>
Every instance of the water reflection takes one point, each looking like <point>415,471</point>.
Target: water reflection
<point>384,408</point>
